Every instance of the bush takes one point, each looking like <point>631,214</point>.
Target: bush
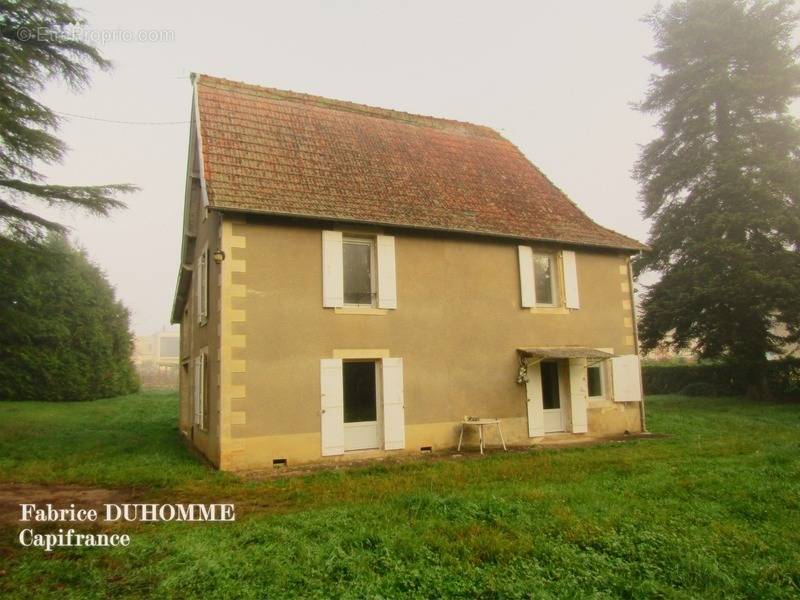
<point>783,377</point>
<point>690,379</point>
<point>64,335</point>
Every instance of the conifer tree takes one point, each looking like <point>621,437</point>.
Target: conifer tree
<point>722,183</point>
<point>38,44</point>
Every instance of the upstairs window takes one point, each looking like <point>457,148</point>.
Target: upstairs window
<point>548,279</point>
<point>544,279</point>
<point>358,255</point>
<point>358,272</point>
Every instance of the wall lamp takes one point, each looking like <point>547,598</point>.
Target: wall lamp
<point>219,256</point>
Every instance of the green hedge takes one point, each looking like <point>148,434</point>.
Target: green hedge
<point>718,380</point>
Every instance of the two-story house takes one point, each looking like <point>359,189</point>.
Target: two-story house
<point>354,281</point>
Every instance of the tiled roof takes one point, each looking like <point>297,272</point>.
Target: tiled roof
<point>277,152</point>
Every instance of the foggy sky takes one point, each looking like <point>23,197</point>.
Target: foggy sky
<point>555,78</point>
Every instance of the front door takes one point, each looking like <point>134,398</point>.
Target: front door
<point>360,384</point>
<point>551,398</point>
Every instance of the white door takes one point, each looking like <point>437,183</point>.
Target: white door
<point>551,397</point>
<point>360,383</point>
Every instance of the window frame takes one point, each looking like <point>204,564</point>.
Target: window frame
<point>555,280</point>
<point>372,242</point>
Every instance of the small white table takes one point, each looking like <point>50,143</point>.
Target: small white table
<point>480,424</point>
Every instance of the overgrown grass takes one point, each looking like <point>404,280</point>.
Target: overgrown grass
<point>711,511</point>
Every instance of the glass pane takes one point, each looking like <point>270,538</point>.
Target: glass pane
<point>359,392</point>
<point>595,381</point>
<point>357,273</point>
<point>543,278</point>
<point>550,385</point>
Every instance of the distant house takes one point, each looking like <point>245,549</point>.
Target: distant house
<point>355,280</point>
<point>159,351</point>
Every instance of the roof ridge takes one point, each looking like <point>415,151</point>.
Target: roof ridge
<point>449,125</point>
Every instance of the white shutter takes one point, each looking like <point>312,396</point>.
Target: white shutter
<point>578,394</point>
<point>198,292</point>
<point>528,290</point>
<point>332,269</point>
<point>627,378</point>
<point>394,417</point>
<point>197,389</point>
<point>332,406</point>
<point>570,279</point>
<point>201,285</point>
<point>535,402</point>
<point>387,285</point>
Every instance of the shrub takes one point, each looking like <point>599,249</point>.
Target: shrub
<point>64,336</point>
<point>783,377</point>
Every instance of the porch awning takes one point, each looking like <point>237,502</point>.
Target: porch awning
<point>563,352</point>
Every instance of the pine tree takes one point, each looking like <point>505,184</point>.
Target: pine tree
<point>36,45</point>
<point>722,183</point>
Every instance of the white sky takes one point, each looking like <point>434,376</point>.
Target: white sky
<point>555,78</point>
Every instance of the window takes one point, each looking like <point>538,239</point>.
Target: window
<point>544,278</point>
<point>202,287</point>
<point>594,376</point>
<point>359,272</point>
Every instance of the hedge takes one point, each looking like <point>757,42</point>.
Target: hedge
<point>718,380</point>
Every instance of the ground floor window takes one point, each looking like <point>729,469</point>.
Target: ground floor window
<point>594,376</point>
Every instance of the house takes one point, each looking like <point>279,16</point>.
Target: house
<point>354,281</point>
<point>156,358</point>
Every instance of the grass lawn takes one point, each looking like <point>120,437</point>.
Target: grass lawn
<point>712,511</point>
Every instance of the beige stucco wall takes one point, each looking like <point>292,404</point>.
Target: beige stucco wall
<point>196,337</point>
<point>457,326</point>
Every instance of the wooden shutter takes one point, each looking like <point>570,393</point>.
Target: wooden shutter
<point>394,417</point>
<point>527,288</point>
<point>627,378</point>
<point>332,406</point>
<point>578,394</point>
<point>387,285</point>
<point>570,279</point>
<point>535,402</point>
<point>197,389</point>
<point>205,399</point>
<point>332,269</point>
<point>202,286</point>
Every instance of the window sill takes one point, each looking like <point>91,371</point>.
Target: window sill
<point>549,310</point>
<point>360,310</point>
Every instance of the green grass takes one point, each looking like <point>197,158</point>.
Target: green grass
<point>712,511</point>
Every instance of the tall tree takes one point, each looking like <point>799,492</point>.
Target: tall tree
<point>64,336</point>
<point>37,45</point>
<point>722,182</point>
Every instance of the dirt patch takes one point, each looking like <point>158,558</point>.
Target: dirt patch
<point>60,496</point>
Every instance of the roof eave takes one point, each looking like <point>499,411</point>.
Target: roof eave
<point>633,248</point>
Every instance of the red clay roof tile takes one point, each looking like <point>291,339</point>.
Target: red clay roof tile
<point>278,152</point>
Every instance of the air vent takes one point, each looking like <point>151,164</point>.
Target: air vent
<point>426,449</point>
<point>278,462</point>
